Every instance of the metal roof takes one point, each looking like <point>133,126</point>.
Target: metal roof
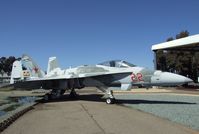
<point>190,43</point>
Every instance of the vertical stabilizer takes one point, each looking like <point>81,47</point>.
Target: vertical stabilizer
<point>16,73</point>
<point>24,69</point>
<point>52,64</point>
<point>29,65</point>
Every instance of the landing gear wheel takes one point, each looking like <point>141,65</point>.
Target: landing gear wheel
<point>110,101</point>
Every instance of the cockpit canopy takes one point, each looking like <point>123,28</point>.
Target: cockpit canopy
<point>117,63</point>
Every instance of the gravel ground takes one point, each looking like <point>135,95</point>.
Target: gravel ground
<point>182,109</point>
<point>14,105</point>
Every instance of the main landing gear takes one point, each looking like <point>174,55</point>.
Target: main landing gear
<point>110,99</point>
<point>73,94</point>
<point>54,94</point>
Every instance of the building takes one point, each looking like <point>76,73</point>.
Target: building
<point>188,46</point>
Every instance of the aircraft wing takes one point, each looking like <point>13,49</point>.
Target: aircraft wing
<point>74,81</point>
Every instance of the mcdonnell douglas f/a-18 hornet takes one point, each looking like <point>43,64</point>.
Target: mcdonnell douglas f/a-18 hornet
<point>116,73</point>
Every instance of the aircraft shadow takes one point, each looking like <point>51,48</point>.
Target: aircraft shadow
<point>132,101</point>
<point>98,98</point>
<point>84,97</point>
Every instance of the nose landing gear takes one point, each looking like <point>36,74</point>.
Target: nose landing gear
<point>110,99</point>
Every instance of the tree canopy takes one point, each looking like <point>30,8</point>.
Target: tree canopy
<point>6,64</point>
<point>182,34</point>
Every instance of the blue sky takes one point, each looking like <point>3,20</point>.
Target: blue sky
<point>92,31</point>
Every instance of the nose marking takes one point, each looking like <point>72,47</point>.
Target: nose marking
<point>133,77</point>
<point>136,78</point>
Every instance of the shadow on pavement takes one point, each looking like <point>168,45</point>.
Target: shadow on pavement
<point>84,97</point>
<point>98,98</point>
<point>120,101</point>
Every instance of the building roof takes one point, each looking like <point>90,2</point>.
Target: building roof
<point>190,43</point>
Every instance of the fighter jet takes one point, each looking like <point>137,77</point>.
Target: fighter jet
<point>116,73</point>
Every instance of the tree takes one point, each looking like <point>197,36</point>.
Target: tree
<point>161,60</point>
<point>2,64</point>
<point>170,39</point>
<point>170,61</point>
<point>182,34</point>
<point>6,64</point>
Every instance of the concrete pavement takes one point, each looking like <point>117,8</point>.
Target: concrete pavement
<point>90,115</point>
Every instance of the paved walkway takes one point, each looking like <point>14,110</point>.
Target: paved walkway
<point>90,115</point>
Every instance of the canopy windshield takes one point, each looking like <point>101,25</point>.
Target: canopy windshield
<point>117,63</point>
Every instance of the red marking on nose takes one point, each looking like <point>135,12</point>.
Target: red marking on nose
<point>139,77</point>
<point>133,77</point>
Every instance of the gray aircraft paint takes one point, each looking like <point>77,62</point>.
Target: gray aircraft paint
<point>108,74</point>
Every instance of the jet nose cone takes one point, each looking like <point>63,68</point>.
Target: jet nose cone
<point>176,78</point>
<point>167,78</point>
<point>187,80</point>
